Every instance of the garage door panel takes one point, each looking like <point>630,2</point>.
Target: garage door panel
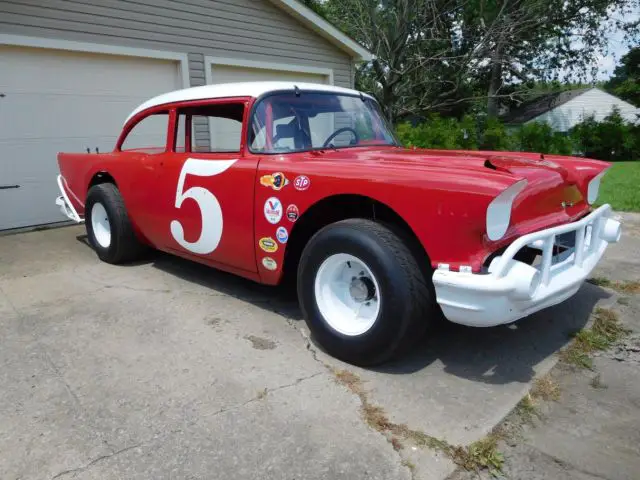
<point>52,117</point>
<point>16,210</point>
<point>57,101</point>
<point>41,161</point>
<point>36,70</point>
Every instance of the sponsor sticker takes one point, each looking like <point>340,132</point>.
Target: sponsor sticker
<point>268,244</point>
<point>302,182</point>
<point>273,210</point>
<point>277,181</point>
<point>269,263</point>
<point>293,213</point>
<point>282,234</point>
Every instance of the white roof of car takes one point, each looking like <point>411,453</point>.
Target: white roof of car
<point>241,89</point>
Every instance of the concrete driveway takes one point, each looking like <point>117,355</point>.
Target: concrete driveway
<point>167,369</point>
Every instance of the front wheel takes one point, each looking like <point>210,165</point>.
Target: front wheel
<point>109,229</point>
<point>362,292</point>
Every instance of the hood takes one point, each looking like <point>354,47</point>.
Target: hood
<point>555,190</point>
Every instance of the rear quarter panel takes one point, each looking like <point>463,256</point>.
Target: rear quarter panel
<point>78,170</point>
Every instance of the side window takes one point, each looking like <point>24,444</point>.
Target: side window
<point>148,135</point>
<point>214,128</point>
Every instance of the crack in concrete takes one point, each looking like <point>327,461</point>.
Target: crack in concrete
<point>60,376</point>
<point>261,395</point>
<point>314,354</point>
<point>93,462</point>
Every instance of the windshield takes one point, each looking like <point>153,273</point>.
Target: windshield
<point>287,122</point>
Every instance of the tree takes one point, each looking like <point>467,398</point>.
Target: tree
<point>438,55</point>
<point>416,66</point>
<point>625,82</point>
<point>538,39</point>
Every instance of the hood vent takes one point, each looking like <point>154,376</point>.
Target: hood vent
<point>488,164</point>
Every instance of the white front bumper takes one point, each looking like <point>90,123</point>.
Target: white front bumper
<point>511,289</point>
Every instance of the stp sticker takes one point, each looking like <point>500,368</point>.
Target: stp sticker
<point>277,181</point>
<point>293,213</point>
<point>273,210</point>
<point>269,263</point>
<point>268,244</point>
<point>282,235</point>
<point>302,182</point>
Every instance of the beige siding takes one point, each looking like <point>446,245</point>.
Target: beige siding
<point>240,29</point>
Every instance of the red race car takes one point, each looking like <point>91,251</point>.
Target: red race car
<point>268,178</point>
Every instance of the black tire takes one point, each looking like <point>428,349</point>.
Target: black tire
<point>124,246</point>
<point>406,305</point>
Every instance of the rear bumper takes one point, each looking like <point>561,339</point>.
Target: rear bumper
<point>511,289</point>
<point>66,207</point>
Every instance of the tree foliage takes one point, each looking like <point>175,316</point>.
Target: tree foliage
<point>625,82</point>
<point>441,55</point>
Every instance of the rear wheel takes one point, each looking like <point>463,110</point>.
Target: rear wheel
<point>362,292</point>
<point>109,229</point>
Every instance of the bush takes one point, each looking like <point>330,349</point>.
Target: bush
<point>612,139</point>
<point>438,132</point>
<point>540,137</point>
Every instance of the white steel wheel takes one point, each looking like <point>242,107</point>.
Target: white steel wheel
<point>100,225</point>
<point>347,294</point>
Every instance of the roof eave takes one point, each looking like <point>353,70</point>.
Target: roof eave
<point>319,25</point>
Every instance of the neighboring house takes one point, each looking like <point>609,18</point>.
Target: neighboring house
<point>566,109</point>
<point>71,72</point>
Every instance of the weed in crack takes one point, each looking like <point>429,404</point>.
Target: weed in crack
<point>632,286</point>
<point>604,333</point>
<point>596,382</point>
<point>546,388</point>
<point>483,454</point>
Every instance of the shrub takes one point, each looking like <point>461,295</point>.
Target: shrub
<point>540,137</point>
<point>613,139</point>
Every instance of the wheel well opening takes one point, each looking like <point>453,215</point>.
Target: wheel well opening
<point>101,177</point>
<point>343,207</point>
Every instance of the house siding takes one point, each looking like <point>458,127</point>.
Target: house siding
<point>594,101</point>
<point>240,29</point>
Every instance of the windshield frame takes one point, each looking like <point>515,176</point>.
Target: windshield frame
<point>361,96</point>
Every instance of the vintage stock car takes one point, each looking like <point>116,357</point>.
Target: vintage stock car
<point>269,180</point>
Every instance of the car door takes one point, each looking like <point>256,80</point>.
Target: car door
<point>201,203</point>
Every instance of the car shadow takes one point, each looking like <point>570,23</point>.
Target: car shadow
<point>503,354</point>
<point>497,355</point>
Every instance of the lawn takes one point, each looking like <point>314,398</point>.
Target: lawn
<point>621,187</point>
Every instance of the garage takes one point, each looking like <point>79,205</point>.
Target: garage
<point>54,101</point>
<point>70,73</point>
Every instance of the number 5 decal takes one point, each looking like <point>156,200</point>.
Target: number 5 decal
<point>209,206</point>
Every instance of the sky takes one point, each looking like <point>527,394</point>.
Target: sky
<point>617,48</point>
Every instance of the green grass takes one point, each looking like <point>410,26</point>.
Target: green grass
<point>620,187</point>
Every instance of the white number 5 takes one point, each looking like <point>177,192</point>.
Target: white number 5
<point>210,210</point>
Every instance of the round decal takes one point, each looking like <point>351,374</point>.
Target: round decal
<point>277,181</point>
<point>268,244</point>
<point>292,213</point>
<point>269,263</point>
<point>282,235</point>
<point>273,210</point>
<point>302,182</point>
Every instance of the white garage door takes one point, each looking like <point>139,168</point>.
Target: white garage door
<point>58,101</point>
<point>226,132</point>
